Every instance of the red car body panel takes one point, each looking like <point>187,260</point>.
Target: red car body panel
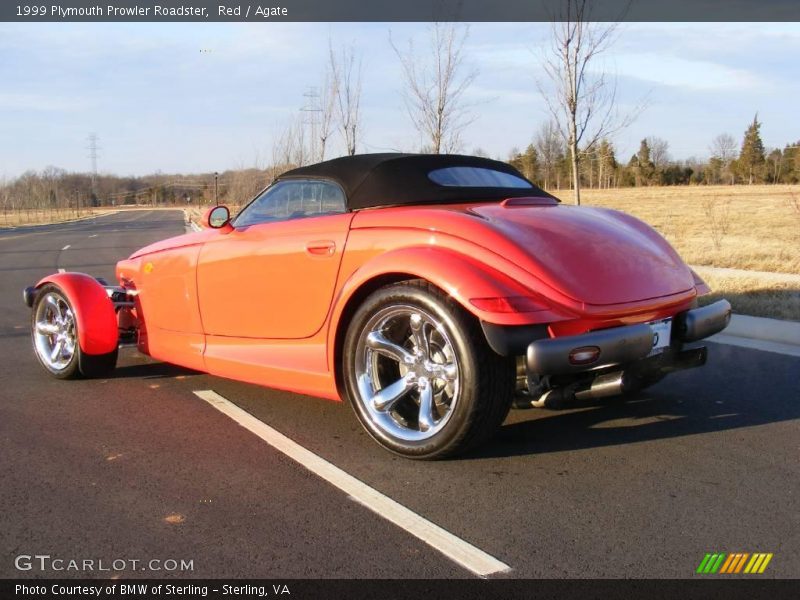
<point>592,256</point>
<point>259,262</point>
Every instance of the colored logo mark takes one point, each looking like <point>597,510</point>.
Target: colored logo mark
<point>735,562</point>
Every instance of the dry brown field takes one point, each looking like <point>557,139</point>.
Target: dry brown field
<point>47,216</point>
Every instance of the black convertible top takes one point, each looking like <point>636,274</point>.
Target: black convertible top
<point>390,179</point>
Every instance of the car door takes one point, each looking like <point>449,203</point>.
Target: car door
<point>274,274</point>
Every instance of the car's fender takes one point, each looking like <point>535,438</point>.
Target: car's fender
<point>94,312</point>
<point>461,276</point>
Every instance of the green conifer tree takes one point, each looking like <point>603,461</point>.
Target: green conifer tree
<point>751,158</point>
<point>645,170</point>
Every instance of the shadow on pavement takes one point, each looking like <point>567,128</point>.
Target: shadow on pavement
<point>152,370</point>
<point>728,393</point>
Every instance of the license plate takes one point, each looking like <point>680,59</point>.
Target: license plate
<point>661,335</point>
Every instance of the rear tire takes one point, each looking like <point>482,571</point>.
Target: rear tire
<point>54,333</point>
<point>419,374</point>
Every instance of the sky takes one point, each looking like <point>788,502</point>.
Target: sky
<point>202,97</point>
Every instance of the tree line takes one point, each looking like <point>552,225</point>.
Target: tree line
<point>58,189</point>
<point>546,161</point>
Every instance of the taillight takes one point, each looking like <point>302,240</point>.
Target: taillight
<point>585,355</point>
<point>511,304</point>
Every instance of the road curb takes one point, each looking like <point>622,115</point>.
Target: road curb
<point>771,335</point>
<point>768,330</point>
<point>191,224</point>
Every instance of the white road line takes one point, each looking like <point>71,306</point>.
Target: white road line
<point>62,270</point>
<point>93,235</point>
<point>66,247</point>
<point>453,547</point>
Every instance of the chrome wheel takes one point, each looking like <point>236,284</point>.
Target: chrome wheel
<point>407,373</point>
<point>54,334</point>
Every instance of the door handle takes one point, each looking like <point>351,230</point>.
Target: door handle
<point>321,247</point>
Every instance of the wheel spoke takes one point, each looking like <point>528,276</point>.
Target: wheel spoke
<point>419,336</point>
<point>47,328</point>
<point>450,371</point>
<point>379,342</point>
<point>426,418</point>
<point>54,306</point>
<point>56,353</point>
<point>385,398</point>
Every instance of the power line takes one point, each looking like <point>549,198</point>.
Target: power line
<point>93,148</point>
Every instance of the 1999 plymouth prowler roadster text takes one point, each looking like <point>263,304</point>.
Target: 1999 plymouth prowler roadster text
<point>433,292</point>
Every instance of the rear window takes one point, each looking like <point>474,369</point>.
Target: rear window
<point>477,177</point>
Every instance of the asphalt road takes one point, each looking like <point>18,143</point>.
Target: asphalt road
<point>137,467</point>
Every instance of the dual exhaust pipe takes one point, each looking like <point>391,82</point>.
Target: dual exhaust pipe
<point>605,385</point>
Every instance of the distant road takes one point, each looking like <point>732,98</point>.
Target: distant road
<point>138,467</point>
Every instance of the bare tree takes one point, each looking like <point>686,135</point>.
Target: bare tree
<point>718,219</point>
<point>327,109</point>
<point>659,152</point>
<point>583,101</point>
<point>243,183</point>
<point>289,148</point>
<point>550,148</point>
<point>794,203</point>
<point>435,82</point>
<point>606,164</point>
<point>724,149</point>
<point>346,72</point>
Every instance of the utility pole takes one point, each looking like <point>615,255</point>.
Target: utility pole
<point>312,110</point>
<point>216,196</point>
<point>93,148</point>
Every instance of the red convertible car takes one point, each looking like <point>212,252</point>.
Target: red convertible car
<point>433,292</point>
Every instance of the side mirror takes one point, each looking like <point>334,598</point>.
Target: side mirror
<point>216,217</point>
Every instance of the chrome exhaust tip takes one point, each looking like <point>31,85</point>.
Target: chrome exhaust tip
<point>604,386</point>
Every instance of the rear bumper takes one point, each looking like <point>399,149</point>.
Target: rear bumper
<point>699,323</point>
<point>622,345</point>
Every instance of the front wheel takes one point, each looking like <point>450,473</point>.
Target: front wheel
<point>419,374</point>
<point>54,332</point>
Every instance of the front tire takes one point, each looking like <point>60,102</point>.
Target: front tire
<point>54,332</point>
<point>419,374</point>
